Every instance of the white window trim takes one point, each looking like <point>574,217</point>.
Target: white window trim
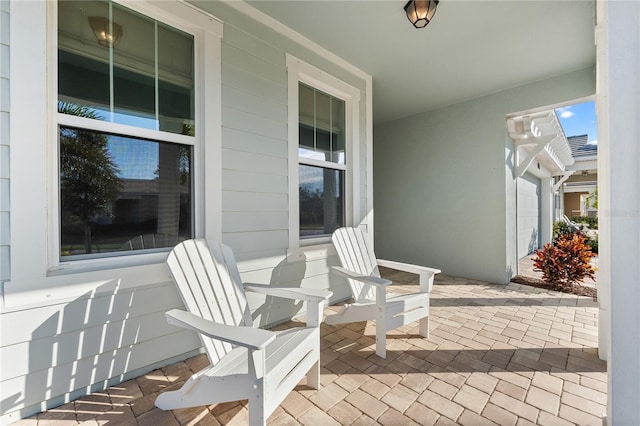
<point>34,199</point>
<point>300,71</point>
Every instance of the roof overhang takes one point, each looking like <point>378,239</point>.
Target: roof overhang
<point>539,137</point>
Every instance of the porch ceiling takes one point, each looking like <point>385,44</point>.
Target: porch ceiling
<point>470,49</point>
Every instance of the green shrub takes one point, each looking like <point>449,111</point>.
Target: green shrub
<point>593,243</point>
<point>562,228</point>
<point>592,222</point>
<point>565,262</point>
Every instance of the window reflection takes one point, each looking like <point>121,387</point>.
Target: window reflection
<point>322,125</point>
<point>321,192</point>
<point>147,80</point>
<point>120,193</point>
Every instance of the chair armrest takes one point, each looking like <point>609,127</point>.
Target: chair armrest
<point>379,281</point>
<point>306,294</point>
<point>407,267</point>
<point>248,337</point>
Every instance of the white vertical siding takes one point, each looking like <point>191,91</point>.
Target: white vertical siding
<point>5,272</point>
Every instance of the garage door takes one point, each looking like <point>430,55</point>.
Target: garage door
<point>528,188</point>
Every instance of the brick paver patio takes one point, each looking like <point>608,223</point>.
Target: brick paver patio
<point>506,355</point>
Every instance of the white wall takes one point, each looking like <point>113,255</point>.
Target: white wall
<point>618,102</point>
<point>4,142</point>
<point>443,186</point>
<point>64,335</point>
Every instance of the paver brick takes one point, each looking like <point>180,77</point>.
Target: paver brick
<point>344,413</point>
<point>422,414</point>
<point>441,405</point>
<point>366,403</point>
<point>471,398</point>
<point>442,388</point>
<point>316,416</point>
<point>517,407</point>
<point>392,417</point>
<point>585,392</point>
<point>399,398</point>
<point>543,400</point>
<point>579,417</point>
<point>499,415</point>
<point>328,396</point>
<point>583,404</point>
<point>469,418</point>
<point>483,382</point>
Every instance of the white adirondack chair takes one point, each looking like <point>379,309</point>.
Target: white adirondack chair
<point>371,300</point>
<point>246,363</point>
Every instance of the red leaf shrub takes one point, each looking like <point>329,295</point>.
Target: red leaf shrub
<point>566,262</point>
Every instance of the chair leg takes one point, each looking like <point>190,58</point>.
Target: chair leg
<point>424,327</point>
<point>381,335</point>
<point>313,376</point>
<point>257,406</point>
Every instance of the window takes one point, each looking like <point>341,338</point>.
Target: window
<point>321,152</point>
<point>127,130</point>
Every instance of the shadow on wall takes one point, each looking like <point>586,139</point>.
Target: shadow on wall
<point>288,273</point>
<point>533,242</point>
<point>99,339</point>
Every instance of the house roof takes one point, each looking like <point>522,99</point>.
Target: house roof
<point>581,147</point>
<point>469,49</point>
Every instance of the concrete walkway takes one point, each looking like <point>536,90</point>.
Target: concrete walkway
<point>505,355</point>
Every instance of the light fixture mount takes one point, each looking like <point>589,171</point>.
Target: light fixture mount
<point>420,12</point>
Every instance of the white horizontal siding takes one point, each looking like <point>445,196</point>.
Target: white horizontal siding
<point>240,120</point>
<point>254,104</point>
<point>251,162</point>
<point>55,351</point>
<point>251,142</point>
<point>251,82</point>
<point>245,181</point>
<point>253,202</point>
<point>60,381</point>
<point>254,221</point>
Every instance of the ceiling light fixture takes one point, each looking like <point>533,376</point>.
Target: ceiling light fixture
<point>420,12</point>
<point>107,32</point>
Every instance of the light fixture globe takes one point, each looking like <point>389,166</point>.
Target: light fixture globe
<point>107,32</point>
<point>420,12</point>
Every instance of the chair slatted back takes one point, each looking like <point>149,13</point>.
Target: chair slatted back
<point>209,283</point>
<point>355,250</point>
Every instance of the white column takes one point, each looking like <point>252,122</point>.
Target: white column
<point>546,210</point>
<point>618,98</point>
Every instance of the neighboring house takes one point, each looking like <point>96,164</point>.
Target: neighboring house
<point>541,153</point>
<point>278,135</point>
<point>579,189</point>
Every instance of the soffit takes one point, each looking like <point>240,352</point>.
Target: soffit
<point>471,48</point>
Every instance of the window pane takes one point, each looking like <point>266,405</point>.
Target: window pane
<point>144,78</point>
<point>321,194</point>
<point>176,103</point>
<point>119,194</point>
<point>134,70</point>
<point>83,65</point>
<point>321,125</point>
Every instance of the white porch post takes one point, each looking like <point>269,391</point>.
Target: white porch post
<point>546,210</point>
<point>618,99</point>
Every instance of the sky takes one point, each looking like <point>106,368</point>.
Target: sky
<point>579,119</point>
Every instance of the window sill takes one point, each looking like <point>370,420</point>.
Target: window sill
<point>80,283</point>
<point>106,263</point>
